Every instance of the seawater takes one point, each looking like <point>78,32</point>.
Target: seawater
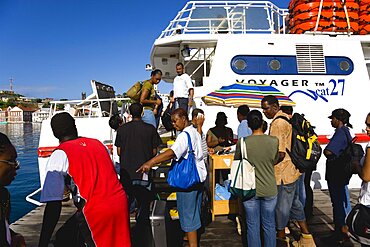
<point>25,138</point>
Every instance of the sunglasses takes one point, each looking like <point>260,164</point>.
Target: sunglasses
<point>367,125</point>
<point>15,163</point>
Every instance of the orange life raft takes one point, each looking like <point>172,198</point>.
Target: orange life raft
<point>329,16</point>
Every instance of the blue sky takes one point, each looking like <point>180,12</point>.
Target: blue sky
<point>53,48</point>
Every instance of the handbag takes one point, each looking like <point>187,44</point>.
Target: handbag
<point>243,178</point>
<point>184,173</point>
<point>358,222</point>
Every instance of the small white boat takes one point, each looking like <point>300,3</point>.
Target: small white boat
<point>92,120</point>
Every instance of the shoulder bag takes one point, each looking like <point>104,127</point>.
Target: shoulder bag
<point>184,173</point>
<point>243,177</point>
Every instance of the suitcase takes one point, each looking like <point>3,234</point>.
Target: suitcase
<point>159,230</point>
<point>160,222</point>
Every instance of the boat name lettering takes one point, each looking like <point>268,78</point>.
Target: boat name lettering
<point>273,82</point>
<point>323,90</point>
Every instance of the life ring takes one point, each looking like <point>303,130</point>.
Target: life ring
<point>365,18</point>
<point>325,20</point>
<point>326,3</point>
<point>325,15</point>
<point>305,7</point>
<point>366,12</point>
<point>365,29</point>
<point>364,7</point>
<point>325,26</point>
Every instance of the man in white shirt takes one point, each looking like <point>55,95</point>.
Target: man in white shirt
<point>183,89</point>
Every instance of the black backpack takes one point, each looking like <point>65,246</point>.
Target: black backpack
<point>358,222</point>
<point>305,151</point>
<point>166,119</point>
<point>351,156</point>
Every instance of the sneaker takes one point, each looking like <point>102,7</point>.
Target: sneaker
<point>306,240</point>
<point>281,242</point>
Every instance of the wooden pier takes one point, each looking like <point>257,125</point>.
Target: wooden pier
<point>221,232</point>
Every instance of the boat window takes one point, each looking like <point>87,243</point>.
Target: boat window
<point>240,64</point>
<point>207,13</point>
<point>344,65</point>
<point>275,64</point>
<point>213,18</point>
<point>257,18</point>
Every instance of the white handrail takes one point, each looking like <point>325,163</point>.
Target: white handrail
<point>189,21</point>
<point>33,201</point>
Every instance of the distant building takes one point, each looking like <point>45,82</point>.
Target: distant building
<point>15,115</point>
<point>40,115</point>
<point>3,116</point>
<point>20,114</point>
<point>6,92</point>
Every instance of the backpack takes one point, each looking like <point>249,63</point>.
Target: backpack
<point>134,92</point>
<point>166,119</point>
<point>305,151</point>
<point>351,156</point>
<point>358,222</point>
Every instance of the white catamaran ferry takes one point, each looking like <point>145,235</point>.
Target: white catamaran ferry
<point>238,51</point>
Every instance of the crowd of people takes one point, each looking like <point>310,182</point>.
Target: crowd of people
<point>104,201</point>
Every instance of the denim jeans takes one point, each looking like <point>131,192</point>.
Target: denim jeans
<point>339,196</point>
<point>308,207</point>
<point>301,190</point>
<point>261,210</point>
<point>149,118</point>
<point>288,205</point>
<point>182,103</point>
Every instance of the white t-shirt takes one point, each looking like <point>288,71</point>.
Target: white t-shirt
<point>180,148</point>
<point>56,170</point>
<point>181,85</point>
<point>364,197</point>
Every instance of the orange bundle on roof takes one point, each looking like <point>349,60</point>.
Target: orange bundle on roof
<point>332,5</point>
<point>364,17</point>
<point>324,15</point>
<point>325,26</point>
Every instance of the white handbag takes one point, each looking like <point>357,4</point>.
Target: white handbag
<point>243,176</point>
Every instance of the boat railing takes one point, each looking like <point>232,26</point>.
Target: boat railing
<point>232,17</point>
<point>87,108</point>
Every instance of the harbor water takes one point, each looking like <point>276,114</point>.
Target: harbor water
<point>25,138</point>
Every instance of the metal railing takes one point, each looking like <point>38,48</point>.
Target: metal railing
<point>234,17</point>
<point>84,108</point>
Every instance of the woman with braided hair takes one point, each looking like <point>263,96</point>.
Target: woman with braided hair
<point>8,166</point>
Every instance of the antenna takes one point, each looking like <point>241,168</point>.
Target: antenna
<point>11,83</point>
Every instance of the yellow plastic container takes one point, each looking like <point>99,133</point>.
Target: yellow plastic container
<point>170,143</point>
